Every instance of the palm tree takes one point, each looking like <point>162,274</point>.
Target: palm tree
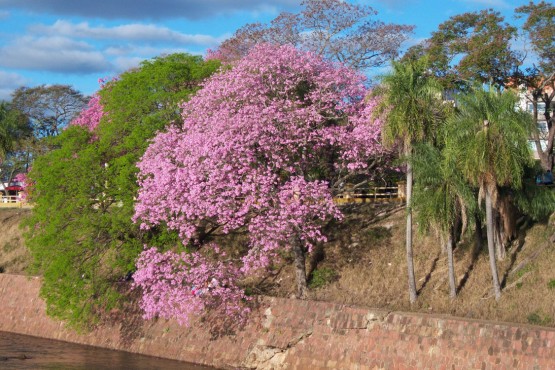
<point>488,140</point>
<point>410,98</point>
<point>442,199</point>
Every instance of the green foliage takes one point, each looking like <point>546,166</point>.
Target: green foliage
<point>15,129</point>
<point>441,193</point>
<point>470,47</point>
<point>322,276</point>
<point>411,100</point>
<point>81,235</point>
<point>540,29</point>
<point>551,284</point>
<point>538,202</point>
<point>488,139</point>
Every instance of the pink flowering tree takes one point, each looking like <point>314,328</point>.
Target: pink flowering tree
<point>163,277</point>
<point>90,117</point>
<point>262,148</point>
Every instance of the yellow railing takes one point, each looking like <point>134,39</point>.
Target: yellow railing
<point>13,201</point>
<point>372,195</point>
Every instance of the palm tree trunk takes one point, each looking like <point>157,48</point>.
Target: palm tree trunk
<point>300,267</point>
<point>410,263</point>
<point>498,236</point>
<point>491,246</point>
<point>451,264</point>
<point>478,232</point>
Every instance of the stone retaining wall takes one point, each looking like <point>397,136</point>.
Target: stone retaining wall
<point>291,334</point>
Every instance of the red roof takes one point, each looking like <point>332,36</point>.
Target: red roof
<point>14,188</point>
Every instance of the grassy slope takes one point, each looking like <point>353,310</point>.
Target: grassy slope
<point>367,257</point>
<point>364,264</point>
<point>14,257</point>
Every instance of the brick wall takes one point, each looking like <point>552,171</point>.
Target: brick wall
<point>290,334</point>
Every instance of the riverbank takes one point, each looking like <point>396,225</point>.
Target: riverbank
<point>293,334</point>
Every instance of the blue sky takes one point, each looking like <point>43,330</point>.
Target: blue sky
<point>76,42</point>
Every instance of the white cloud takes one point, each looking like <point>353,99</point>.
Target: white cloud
<point>8,83</point>
<point>129,32</point>
<point>79,48</point>
<point>147,9</point>
<point>53,54</point>
<point>124,63</point>
<point>490,3</point>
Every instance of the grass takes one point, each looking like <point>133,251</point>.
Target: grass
<point>369,261</point>
<point>14,257</point>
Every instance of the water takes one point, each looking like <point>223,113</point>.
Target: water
<point>25,352</point>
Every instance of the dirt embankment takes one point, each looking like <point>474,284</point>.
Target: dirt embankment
<point>14,257</point>
<point>364,264</point>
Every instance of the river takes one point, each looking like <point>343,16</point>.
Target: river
<point>25,352</point>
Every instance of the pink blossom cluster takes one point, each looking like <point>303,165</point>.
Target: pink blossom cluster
<point>258,148</point>
<point>184,285</point>
<point>90,117</point>
<point>300,209</point>
<point>23,181</point>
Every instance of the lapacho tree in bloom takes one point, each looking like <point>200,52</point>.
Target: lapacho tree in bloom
<point>261,148</point>
<point>90,117</point>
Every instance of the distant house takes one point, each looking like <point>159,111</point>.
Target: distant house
<point>12,189</point>
<point>526,103</point>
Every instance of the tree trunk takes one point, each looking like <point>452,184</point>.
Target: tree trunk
<point>451,264</point>
<point>505,225</point>
<point>498,236</point>
<point>478,232</point>
<point>410,263</point>
<point>300,268</point>
<point>491,246</point>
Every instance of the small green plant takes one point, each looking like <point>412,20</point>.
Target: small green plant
<point>378,233</point>
<point>537,318</point>
<point>249,291</point>
<point>518,285</point>
<point>526,269</point>
<point>8,247</point>
<point>551,284</point>
<point>321,277</point>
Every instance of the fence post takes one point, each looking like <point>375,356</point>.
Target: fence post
<point>401,190</point>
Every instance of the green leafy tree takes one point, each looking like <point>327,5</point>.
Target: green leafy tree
<point>488,141</point>
<point>539,29</point>
<point>471,47</point>
<point>49,108</point>
<point>15,134</point>
<point>6,138</point>
<point>81,234</point>
<point>411,101</point>
<point>539,80</point>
